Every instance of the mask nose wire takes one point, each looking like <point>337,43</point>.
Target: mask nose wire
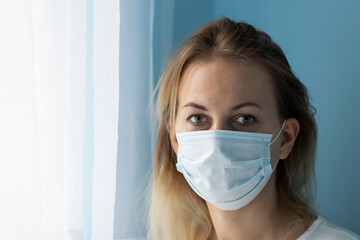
<point>281,129</point>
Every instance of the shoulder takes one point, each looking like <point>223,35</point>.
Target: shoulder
<point>322,229</point>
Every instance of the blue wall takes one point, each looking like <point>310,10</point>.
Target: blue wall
<point>322,42</point>
<point>189,15</point>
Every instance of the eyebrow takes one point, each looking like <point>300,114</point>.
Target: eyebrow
<point>198,106</point>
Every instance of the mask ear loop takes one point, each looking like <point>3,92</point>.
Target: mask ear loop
<point>281,129</point>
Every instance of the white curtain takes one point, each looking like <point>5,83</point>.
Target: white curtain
<point>59,69</point>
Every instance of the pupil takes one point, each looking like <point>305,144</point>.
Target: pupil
<point>246,119</point>
<point>198,119</point>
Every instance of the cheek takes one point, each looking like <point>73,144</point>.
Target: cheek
<point>180,124</point>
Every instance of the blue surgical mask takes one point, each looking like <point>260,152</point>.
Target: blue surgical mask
<point>226,168</point>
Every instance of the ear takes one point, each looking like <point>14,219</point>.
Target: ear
<point>171,131</point>
<point>289,135</point>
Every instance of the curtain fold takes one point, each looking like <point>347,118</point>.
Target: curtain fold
<point>19,161</point>
<point>144,24</point>
<point>106,107</point>
<point>133,161</point>
<point>75,101</point>
<point>58,118</point>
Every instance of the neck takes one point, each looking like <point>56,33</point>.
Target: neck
<point>260,219</point>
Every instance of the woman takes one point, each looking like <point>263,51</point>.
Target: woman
<point>236,143</point>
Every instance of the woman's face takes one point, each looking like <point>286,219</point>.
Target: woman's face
<point>224,94</point>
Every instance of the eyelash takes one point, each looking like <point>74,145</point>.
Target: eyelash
<point>241,124</point>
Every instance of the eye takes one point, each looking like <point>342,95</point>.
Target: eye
<point>245,119</point>
<point>196,119</point>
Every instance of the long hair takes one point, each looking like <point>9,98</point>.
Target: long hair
<point>175,210</point>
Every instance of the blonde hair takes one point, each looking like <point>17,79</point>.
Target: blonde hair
<point>175,210</point>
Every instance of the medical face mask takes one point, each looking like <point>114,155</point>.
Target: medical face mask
<point>226,168</point>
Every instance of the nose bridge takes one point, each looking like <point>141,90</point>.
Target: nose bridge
<point>220,123</point>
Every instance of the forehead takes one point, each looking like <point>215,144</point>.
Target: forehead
<point>220,82</point>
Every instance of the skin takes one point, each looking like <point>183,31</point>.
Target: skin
<point>218,85</point>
